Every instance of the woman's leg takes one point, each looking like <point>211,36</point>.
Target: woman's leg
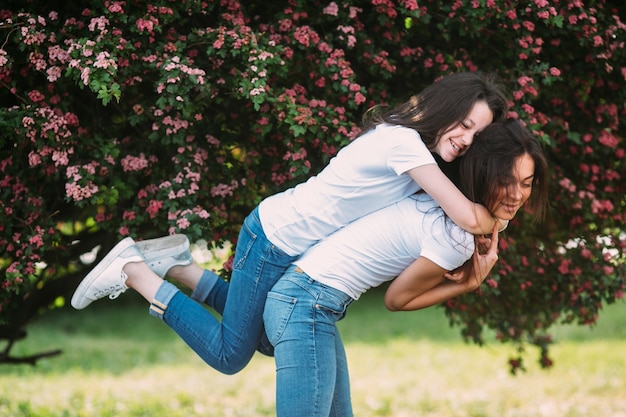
<point>300,316</point>
<point>342,402</point>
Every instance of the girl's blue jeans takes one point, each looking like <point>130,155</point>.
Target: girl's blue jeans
<point>229,344</point>
<point>311,369</point>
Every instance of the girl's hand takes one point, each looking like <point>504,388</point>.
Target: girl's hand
<point>481,258</point>
<point>484,258</point>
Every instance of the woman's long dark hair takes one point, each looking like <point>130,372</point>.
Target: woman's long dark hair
<point>442,105</point>
<point>488,164</point>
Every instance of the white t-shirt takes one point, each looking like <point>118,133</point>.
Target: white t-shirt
<point>366,175</point>
<point>376,248</point>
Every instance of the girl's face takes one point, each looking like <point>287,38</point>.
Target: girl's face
<point>456,139</point>
<point>511,198</point>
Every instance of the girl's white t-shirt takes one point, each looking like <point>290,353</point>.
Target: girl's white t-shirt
<point>378,247</point>
<point>364,176</point>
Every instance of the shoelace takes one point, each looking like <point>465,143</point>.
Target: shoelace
<point>113,291</point>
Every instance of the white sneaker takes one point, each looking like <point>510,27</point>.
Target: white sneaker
<point>165,252</point>
<point>107,278</point>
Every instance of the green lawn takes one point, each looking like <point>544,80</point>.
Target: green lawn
<point>118,361</point>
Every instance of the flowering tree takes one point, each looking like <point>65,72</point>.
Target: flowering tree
<point>149,117</point>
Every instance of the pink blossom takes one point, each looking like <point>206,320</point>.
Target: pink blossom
<point>36,241</point>
<point>223,190</point>
<point>35,96</point>
<point>183,223</point>
<point>354,11</point>
<point>492,283</point>
<point>608,270</point>
<point>212,140</point>
<point>305,36</point>
<point>608,139</point>
<point>153,208</point>
<point>34,159</point>
<point>84,76</point>
<point>58,54</point>
<point>60,158</point>
<point>99,23</point>
<point>597,41</point>
<point>410,4</point>
<point>203,214</point>
<point>332,9</point>
<point>568,185</point>
<point>359,98</point>
<point>598,206</point>
<point>147,25</point>
<point>103,60</point>
<point>116,7</point>
<point>54,73</point>
<point>78,193</point>
<point>27,121</point>
<point>134,163</point>
<point>284,25</point>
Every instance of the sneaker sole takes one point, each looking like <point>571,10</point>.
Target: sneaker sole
<point>81,290</point>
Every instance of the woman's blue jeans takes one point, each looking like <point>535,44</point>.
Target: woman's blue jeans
<point>228,345</point>
<point>311,369</point>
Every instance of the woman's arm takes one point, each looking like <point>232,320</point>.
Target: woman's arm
<point>422,284</point>
<point>470,216</point>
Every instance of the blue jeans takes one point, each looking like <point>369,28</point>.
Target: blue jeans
<point>311,368</point>
<point>228,346</point>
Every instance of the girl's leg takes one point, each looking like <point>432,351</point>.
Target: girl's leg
<point>207,287</point>
<point>228,346</point>
<point>171,256</point>
<point>300,316</point>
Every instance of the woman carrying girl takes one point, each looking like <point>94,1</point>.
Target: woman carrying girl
<point>412,240</point>
<point>389,161</point>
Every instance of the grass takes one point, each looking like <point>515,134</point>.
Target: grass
<point>118,361</point>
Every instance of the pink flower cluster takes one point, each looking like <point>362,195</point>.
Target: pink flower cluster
<point>131,163</point>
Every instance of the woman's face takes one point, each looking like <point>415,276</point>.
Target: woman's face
<point>456,139</point>
<point>511,198</point>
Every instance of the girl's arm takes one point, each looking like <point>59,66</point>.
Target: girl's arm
<point>470,216</point>
<point>422,284</point>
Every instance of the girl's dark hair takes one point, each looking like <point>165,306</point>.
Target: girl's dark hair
<point>488,164</point>
<point>442,105</point>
